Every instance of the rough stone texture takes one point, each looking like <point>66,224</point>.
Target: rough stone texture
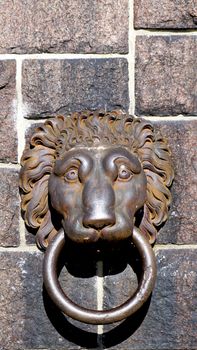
<point>181,226</point>
<point>52,87</point>
<point>63,26</point>
<point>8,145</point>
<point>166,78</point>
<point>25,322</point>
<point>177,14</point>
<point>29,237</point>
<point>119,275</point>
<point>9,208</point>
<point>171,320</point>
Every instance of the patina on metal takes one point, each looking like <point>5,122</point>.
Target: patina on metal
<point>96,169</point>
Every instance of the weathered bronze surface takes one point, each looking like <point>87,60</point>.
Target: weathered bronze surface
<point>96,170</point>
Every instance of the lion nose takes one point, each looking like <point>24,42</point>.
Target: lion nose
<point>98,221</point>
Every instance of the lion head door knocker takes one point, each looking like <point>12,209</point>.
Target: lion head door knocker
<point>96,170</point>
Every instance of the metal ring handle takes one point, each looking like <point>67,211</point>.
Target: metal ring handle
<point>82,314</point>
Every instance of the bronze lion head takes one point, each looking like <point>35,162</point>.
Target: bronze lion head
<point>97,171</point>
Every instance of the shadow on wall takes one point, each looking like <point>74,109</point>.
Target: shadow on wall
<point>114,262</point>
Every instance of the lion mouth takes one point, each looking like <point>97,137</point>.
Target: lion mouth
<point>78,233</point>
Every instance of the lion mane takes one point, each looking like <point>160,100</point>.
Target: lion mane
<point>56,136</point>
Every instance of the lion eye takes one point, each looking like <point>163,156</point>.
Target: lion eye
<point>124,173</point>
<point>71,174</point>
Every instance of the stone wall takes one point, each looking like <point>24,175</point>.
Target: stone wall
<point>65,55</point>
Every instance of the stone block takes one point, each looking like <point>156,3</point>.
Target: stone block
<point>170,319</point>
<point>9,208</point>
<point>64,26</point>
<point>28,318</point>
<point>181,225</point>
<point>166,14</point>
<point>166,79</point>
<point>8,145</point>
<point>52,87</point>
